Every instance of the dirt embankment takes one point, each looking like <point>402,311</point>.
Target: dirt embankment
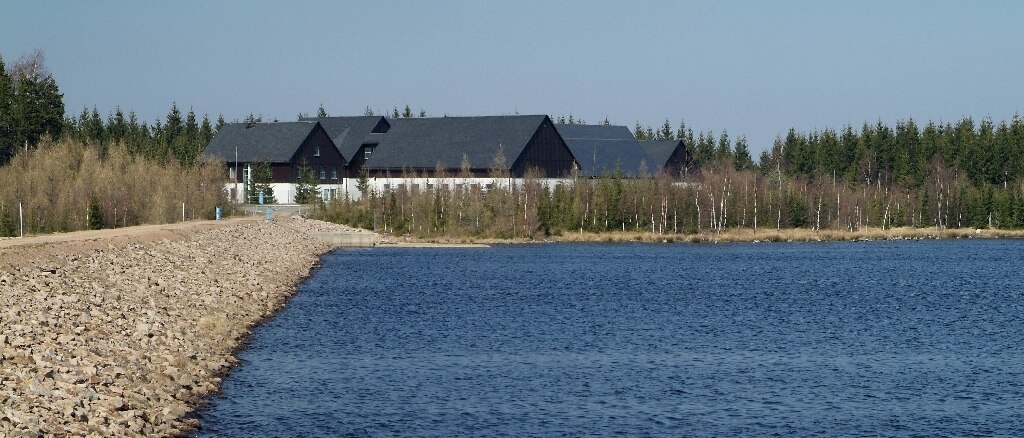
<point>124,333</point>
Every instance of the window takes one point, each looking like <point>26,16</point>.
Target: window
<point>231,173</point>
<point>334,173</point>
<point>367,151</point>
<point>387,187</point>
<point>323,173</point>
<point>316,152</point>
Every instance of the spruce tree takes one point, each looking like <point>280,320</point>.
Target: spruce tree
<point>38,105</point>
<point>363,183</point>
<point>741,158</point>
<point>321,112</point>
<point>8,143</point>
<point>407,112</point>
<point>173,127</point>
<point>117,127</point>
<point>307,191</point>
<point>723,153</point>
<point>205,131</point>
<point>262,177</point>
<point>638,131</point>
<point>95,214</point>
<point>665,133</point>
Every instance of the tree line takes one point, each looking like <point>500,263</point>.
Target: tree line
<point>61,173</point>
<point>947,176</point>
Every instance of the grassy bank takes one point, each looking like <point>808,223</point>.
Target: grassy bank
<point>739,235</point>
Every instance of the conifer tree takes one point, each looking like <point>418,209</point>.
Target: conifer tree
<point>321,112</point>
<point>407,112</point>
<point>173,127</point>
<point>638,132</point>
<point>665,133</point>
<point>741,158</point>
<point>37,104</point>
<point>191,126</point>
<point>95,214</point>
<point>260,181</point>
<point>724,150</point>
<point>363,183</point>
<point>117,126</point>
<point>307,191</point>
<point>94,126</point>
<point>8,143</point>
<point>205,131</point>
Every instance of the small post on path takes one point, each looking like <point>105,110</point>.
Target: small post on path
<point>183,212</point>
<point>21,219</point>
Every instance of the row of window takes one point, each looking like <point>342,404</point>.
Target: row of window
<point>429,186</point>
<point>323,172</point>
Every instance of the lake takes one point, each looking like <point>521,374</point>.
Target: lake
<point>866,338</point>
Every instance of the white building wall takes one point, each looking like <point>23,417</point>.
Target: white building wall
<point>284,193</point>
<point>385,185</point>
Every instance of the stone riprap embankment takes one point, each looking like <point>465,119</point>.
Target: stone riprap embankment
<point>127,338</point>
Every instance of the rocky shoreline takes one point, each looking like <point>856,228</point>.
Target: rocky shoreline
<point>130,337</point>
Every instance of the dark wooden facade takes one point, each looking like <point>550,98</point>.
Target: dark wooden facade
<point>319,152</point>
<point>680,163</point>
<point>322,157</point>
<point>546,152</point>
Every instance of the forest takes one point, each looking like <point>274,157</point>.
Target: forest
<point>62,173</point>
<point>962,175</point>
<point>89,171</point>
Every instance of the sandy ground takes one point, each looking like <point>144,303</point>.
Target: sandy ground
<point>137,234</point>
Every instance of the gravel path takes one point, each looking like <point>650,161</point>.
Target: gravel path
<point>125,334</point>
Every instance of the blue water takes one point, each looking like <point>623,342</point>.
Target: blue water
<point>904,338</point>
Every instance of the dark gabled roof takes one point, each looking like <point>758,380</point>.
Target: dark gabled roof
<point>600,150</point>
<point>423,143</point>
<point>660,151</point>
<point>604,132</point>
<point>275,142</point>
<point>348,133</point>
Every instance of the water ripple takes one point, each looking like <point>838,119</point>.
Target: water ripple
<point>906,338</point>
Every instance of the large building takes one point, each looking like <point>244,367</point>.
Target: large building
<point>399,154</point>
<point>285,146</point>
<point>605,149</point>
<point>669,156</point>
<point>355,137</point>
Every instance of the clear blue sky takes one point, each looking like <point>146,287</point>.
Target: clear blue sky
<point>755,68</point>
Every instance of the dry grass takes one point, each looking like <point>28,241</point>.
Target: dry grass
<point>57,182</point>
<point>747,235</point>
